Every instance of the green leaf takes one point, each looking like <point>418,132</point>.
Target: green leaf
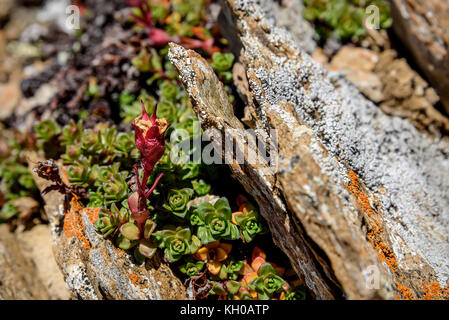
<point>130,231</point>
<point>124,243</point>
<point>200,187</point>
<point>149,228</point>
<point>232,286</point>
<point>265,269</point>
<point>184,234</point>
<point>147,248</point>
<point>222,207</point>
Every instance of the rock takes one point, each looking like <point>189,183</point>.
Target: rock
<point>287,14</point>
<point>10,95</point>
<point>423,26</point>
<point>26,206</point>
<point>5,9</point>
<point>93,267</point>
<point>36,245</point>
<point>358,199</point>
<point>407,95</point>
<point>17,273</point>
<point>358,65</point>
<point>212,106</point>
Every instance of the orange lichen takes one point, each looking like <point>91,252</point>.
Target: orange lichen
<point>73,225</point>
<point>360,196</point>
<point>374,234</point>
<point>135,279</point>
<point>92,213</point>
<point>434,291</point>
<point>406,293</point>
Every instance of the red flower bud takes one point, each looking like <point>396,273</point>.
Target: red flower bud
<point>149,138</point>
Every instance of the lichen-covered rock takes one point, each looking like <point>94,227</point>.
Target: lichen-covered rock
<point>359,199</point>
<point>17,273</point>
<point>423,26</point>
<point>93,267</point>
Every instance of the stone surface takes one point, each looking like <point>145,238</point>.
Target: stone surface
<point>93,267</point>
<point>359,199</point>
<point>36,245</point>
<point>423,26</point>
<point>17,273</point>
<point>358,64</point>
<point>392,84</point>
<point>407,95</point>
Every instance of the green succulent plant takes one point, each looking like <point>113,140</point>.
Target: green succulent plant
<point>115,189</point>
<point>267,283</point>
<point>222,63</point>
<point>90,142</point>
<point>8,211</point>
<point>231,269</point>
<point>169,90</point>
<point>79,172</point>
<point>250,225</point>
<point>176,242</point>
<point>72,153</point>
<point>191,268</point>
<point>297,293</point>
<point>200,187</point>
<point>46,130</point>
<point>71,133</point>
<point>343,19</point>
<point>109,220</point>
<point>177,201</point>
<point>214,221</point>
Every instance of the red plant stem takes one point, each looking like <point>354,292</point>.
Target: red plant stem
<point>136,169</point>
<point>154,185</point>
<point>142,199</point>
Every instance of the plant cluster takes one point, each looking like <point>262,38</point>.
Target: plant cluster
<point>16,180</point>
<point>344,19</point>
<point>149,202</point>
<point>258,279</point>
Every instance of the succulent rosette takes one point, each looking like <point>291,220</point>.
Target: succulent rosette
<point>46,130</point>
<point>109,220</point>
<point>267,283</point>
<point>79,172</point>
<point>191,268</point>
<point>177,201</point>
<point>232,269</point>
<point>166,109</point>
<point>222,61</point>
<point>169,91</point>
<point>73,152</point>
<point>115,189</point>
<point>214,221</point>
<point>90,142</point>
<point>200,187</point>
<point>124,145</point>
<point>249,222</point>
<point>71,133</point>
<point>176,242</point>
